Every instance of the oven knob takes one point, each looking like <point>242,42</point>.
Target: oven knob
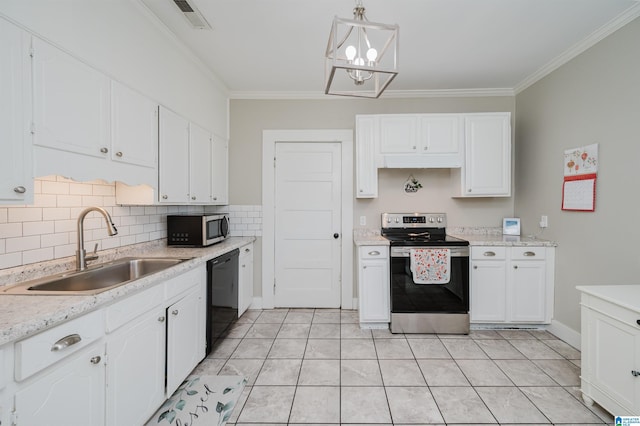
<point>397,220</point>
<point>388,220</point>
<point>430,220</point>
<point>439,219</point>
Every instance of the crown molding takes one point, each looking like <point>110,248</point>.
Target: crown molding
<point>606,30</point>
<point>388,94</point>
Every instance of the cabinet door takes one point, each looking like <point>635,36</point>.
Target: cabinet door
<point>200,142</point>
<point>245,279</point>
<point>135,373</point>
<point>134,127</point>
<point>220,171</point>
<point>366,167</point>
<point>398,134</point>
<point>439,134</point>
<point>69,393</point>
<point>487,170</point>
<point>487,290</point>
<point>184,339</point>
<point>374,292</point>
<point>612,352</point>
<point>173,167</point>
<point>71,103</point>
<point>527,291</point>
<point>16,169</point>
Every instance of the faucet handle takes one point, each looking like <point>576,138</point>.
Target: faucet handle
<point>93,256</point>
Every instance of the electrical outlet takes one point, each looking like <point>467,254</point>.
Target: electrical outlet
<point>363,220</point>
<point>544,221</point>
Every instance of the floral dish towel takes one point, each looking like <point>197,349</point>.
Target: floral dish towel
<point>430,266</point>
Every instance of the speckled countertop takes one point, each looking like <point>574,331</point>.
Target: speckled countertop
<point>476,237</point>
<point>21,315</point>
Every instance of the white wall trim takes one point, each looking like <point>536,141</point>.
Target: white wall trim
<point>269,140</point>
<point>604,31</point>
<point>565,333</point>
<point>388,94</point>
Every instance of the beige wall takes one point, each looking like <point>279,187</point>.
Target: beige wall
<point>248,118</point>
<point>595,98</point>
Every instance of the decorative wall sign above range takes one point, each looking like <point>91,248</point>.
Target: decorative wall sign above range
<point>580,173</point>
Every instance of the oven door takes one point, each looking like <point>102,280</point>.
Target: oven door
<point>413,303</point>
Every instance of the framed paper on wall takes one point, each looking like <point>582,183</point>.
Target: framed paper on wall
<point>511,226</point>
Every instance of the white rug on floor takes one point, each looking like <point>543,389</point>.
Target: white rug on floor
<point>201,400</point>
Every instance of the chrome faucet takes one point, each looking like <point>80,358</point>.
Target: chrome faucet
<point>81,254</point>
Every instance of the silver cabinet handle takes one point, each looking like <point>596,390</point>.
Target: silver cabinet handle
<point>247,250</point>
<point>489,253</point>
<point>193,197</point>
<point>475,266</point>
<point>20,189</point>
<point>635,373</point>
<point>529,253</point>
<point>215,198</point>
<point>374,253</point>
<point>104,150</point>
<point>161,319</point>
<point>95,360</point>
<point>65,342</point>
<point>515,266</point>
<point>119,154</point>
<point>174,312</point>
<point>164,197</point>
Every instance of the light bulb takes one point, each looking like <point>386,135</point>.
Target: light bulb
<point>350,51</point>
<point>372,54</point>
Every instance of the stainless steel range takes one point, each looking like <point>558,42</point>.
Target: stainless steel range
<point>429,274</point>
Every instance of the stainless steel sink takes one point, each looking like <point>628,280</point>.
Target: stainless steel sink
<point>96,279</point>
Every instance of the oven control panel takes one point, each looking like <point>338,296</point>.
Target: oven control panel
<point>414,220</point>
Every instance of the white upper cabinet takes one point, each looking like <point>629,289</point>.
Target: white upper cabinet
<point>200,142</point>
<point>173,158</point>
<point>366,158</point>
<point>134,127</point>
<point>219,171</point>
<point>439,134</point>
<point>398,134</point>
<point>71,103</point>
<point>487,168</point>
<point>16,167</point>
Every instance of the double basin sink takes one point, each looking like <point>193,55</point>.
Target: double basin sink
<point>96,279</point>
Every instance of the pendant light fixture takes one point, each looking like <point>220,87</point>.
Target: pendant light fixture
<point>362,56</point>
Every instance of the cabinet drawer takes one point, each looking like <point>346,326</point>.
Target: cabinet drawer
<point>527,253</point>
<point>374,252</point>
<point>124,311</point>
<point>42,350</point>
<point>612,310</point>
<point>181,283</point>
<point>488,253</point>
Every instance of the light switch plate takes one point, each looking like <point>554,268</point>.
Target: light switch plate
<point>363,220</point>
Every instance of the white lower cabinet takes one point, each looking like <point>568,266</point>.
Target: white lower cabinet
<point>374,292</point>
<point>610,335</point>
<point>112,366</point>
<point>511,284</point>
<point>183,340</point>
<point>69,393</point>
<point>135,371</point>
<point>245,278</point>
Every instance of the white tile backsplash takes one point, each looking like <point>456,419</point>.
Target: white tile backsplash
<point>47,229</point>
<point>244,220</point>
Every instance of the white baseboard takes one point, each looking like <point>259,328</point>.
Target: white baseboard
<point>354,304</point>
<point>565,333</point>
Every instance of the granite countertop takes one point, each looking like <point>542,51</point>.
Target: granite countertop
<point>475,236</point>
<point>22,315</point>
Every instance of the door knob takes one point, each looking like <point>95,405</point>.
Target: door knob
<point>336,235</point>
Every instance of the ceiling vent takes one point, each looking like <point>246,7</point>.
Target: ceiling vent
<point>192,14</point>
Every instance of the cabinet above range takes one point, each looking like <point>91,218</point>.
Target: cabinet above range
<point>477,146</point>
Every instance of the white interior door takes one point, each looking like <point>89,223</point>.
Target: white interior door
<point>308,202</point>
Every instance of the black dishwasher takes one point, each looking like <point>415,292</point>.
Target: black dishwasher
<point>222,296</point>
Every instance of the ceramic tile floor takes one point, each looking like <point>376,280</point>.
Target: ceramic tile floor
<point>316,366</point>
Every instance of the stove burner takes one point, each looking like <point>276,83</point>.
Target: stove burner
<point>416,229</point>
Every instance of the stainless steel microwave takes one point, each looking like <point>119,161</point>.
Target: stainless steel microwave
<point>196,230</point>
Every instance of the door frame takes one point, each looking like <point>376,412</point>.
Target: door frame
<point>269,140</point>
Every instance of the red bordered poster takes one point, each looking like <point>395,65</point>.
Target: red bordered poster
<point>580,173</point>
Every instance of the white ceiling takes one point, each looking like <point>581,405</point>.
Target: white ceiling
<point>275,48</point>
